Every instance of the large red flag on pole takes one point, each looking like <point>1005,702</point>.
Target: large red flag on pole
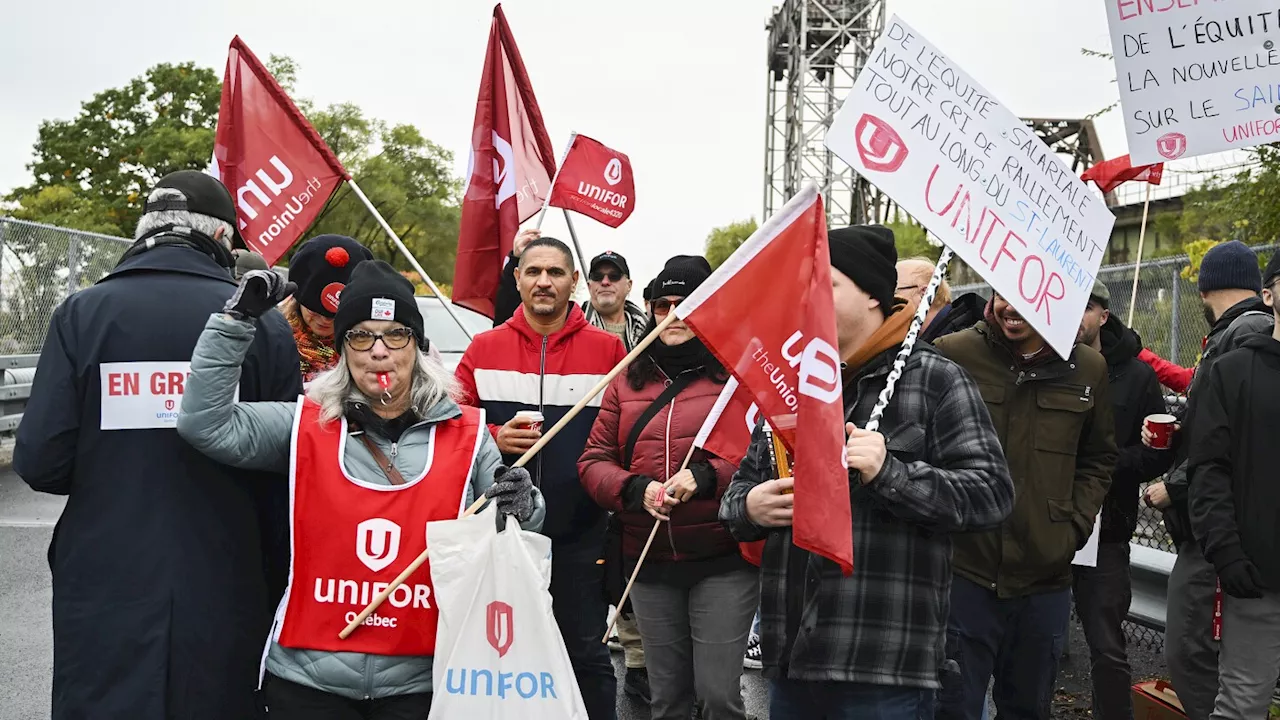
<point>272,160</point>
<point>784,353</point>
<point>509,173</point>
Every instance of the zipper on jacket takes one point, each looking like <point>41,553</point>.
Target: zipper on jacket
<point>542,387</point>
<point>395,448</point>
<point>368,677</point>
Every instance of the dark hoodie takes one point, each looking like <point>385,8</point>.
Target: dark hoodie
<point>1135,394</point>
<point>961,313</point>
<point>1234,456</point>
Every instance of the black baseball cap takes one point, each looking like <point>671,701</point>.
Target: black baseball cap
<point>611,257</point>
<point>206,195</point>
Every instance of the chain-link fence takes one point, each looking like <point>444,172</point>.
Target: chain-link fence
<point>40,265</point>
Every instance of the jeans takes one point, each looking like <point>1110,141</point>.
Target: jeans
<point>577,599</point>
<point>1189,648</point>
<point>1249,661</point>
<point>829,700</point>
<point>1018,641</point>
<point>1102,596</point>
<point>694,640</point>
<point>291,701</point>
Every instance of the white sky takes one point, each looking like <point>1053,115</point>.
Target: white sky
<point>678,85</point>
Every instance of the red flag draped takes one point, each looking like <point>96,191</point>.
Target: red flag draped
<point>272,160</point>
<point>726,433</point>
<point>508,175</point>
<point>784,353</point>
<point>595,180</point>
<point>1110,174</point>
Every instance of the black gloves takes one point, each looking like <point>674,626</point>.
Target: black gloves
<point>512,494</point>
<point>259,291</point>
<point>1240,579</point>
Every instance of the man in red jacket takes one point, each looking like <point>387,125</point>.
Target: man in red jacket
<point>546,358</point>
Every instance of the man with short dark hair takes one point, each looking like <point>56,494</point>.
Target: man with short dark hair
<point>871,645</point>
<point>1010,600</point>
<point>1234,500</point>
<point>160,598</point>
<point>545,358</point>
<point>1103,592</point>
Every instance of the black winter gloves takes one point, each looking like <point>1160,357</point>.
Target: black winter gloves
<point>1240,579</point>
<point>259,291</point>
<point>512,494</point>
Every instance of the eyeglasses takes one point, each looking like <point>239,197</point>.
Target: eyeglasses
<point>613,275</point>
<point>662,306</point>
<point>361,340</point>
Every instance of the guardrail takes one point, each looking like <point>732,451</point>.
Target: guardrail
<point>16,374</point>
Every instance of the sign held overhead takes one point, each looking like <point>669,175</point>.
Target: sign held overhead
<point>924,132</point>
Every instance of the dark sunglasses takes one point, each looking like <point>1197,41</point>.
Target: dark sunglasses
<point>361,340</point>
<point>662,306</point>
<point>613,275</point>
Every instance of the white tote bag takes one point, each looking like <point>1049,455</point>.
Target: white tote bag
<point>499,653</point>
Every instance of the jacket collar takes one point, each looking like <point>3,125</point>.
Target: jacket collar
<point>575,322</point>
<point>1253,304</point>
<point>172,259</point>
<point>1051,369</point>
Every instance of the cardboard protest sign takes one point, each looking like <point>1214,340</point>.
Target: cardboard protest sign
<point>1196,77</point>
<point>920,129</point>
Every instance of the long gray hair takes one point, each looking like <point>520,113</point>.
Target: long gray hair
<point>431,383</point>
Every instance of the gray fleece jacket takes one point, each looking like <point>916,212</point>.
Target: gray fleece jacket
<point>257,436</point>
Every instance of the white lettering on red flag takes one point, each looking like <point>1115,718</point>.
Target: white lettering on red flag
<point>508,172</point>
<point>959,161</point>
<point>784,353</point>
<point>273,161</point>
<point>595,180</point>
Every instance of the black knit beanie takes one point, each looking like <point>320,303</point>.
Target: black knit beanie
<point>377,292</point>
<point>867,256</point>
<point>322,267</point>
<point>680,276</point>
<point>1230,266</point>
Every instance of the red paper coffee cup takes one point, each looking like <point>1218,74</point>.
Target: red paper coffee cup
<point>533,417</point>
<point>1162,427</point>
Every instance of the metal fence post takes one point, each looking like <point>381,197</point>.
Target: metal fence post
<point>73,275</point>
<point>1174,322</point>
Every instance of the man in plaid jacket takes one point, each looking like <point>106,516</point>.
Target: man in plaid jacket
<point>872,645</point>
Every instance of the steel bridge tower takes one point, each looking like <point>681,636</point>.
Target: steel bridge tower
<point>816,50</point>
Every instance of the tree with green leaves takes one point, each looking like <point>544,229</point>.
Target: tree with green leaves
<point>722,241</point>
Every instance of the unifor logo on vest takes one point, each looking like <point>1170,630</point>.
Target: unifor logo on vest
<point>265,190</point>
<point>377,546</point>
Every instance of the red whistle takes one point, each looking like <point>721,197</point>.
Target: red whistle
<point>384,380</point>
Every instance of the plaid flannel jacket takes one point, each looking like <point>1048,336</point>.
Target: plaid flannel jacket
<point>944,472</point>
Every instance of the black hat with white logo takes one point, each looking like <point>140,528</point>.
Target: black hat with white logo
<point>612,258</point>
<point>681,276</point>
<point>377,292</point>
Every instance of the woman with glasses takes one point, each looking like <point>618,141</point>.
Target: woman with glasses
<point>375,450</point>
<point>695,596</point>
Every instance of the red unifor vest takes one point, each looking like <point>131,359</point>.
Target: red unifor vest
<point>332,514</point>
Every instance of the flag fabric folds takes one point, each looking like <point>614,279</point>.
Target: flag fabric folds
<point>1112,173</point>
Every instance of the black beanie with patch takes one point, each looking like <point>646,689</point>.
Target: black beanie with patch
<point>377,292</point>
<point>866,255</point>
<point>322,267</point>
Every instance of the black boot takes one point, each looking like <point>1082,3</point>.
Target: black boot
<point>636,684</point>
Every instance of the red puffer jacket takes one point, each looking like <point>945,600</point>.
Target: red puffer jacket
<point>695,532</point>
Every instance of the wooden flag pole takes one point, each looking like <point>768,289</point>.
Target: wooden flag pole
<point>528,455</point>
<point>1137,265</point>
<point>643,554</point>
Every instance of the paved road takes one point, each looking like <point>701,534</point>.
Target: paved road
<point>26,650</point>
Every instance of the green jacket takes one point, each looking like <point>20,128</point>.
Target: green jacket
<point>1055,425</point>
<point>259,435</point>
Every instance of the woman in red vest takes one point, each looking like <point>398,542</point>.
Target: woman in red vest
<point>376,450</point>
<point>695,596</point>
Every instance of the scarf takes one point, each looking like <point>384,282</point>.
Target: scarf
<point>676,359</point>
<point>889,335</point>
<point>315,354</point>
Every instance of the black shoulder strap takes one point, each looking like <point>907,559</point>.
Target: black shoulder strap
<point>680,383</point>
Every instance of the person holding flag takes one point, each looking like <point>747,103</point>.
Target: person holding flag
<point>870,644</point>
<point>694,596</point>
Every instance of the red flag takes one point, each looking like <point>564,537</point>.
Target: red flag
<point>508,175</point>
<point>784,353</point>
<point>1110,174</point>
<point>595,180</point>
<point>726,433</point>
<point>275,164</point>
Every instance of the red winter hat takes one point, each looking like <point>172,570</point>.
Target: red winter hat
<point>322,267</point>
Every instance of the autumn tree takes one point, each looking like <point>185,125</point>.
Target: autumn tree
<point>722,241</point>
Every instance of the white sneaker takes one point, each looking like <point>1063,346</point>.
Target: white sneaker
<point>751,660</point>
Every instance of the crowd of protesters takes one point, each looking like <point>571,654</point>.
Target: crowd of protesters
<point>991,467</point>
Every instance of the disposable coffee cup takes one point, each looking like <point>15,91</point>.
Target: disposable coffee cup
<point>1162,427</point>
<point>533,419</point>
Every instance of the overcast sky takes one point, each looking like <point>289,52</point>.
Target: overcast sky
<point>678,85</point>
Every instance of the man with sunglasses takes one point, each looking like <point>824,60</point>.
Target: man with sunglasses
<point>545,358</point>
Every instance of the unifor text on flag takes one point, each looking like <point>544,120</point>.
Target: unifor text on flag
<point>273,161</point>
<point>784,352</point>
<point>508,173</point>
<point>595,180</point>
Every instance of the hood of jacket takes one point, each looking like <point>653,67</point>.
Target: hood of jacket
<point>1253,304</point>
<point>1265,344</point>
<point>961,313</point>
<point>1119,343</point>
